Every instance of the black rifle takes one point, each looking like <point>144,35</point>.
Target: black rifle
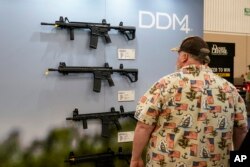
<point>105,159</point>
<point>100,73</point>
<point>96,29</point>
<point>107,118</point>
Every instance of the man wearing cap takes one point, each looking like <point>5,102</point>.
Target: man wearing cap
<point>190,118</point>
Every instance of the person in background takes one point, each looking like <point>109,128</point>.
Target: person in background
<point>190,118</point>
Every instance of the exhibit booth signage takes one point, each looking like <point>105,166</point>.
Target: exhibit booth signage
<point>222,59</point>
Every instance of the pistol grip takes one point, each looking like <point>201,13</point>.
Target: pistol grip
<point>117,124</point>
<point>110,81</point>
<point>107,38</point>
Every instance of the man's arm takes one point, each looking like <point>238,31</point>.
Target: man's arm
<point>239,134</point>
<point>141,137</point>
<point>240,128</point>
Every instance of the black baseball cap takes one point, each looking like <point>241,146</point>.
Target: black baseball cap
<point>194,45</point>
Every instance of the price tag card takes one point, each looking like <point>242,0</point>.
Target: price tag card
<point>128,95</point>
<point>125,136</point>
<point>126,54</point>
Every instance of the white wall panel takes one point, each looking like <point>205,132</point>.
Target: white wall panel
<point>34,103</point>
<point>226,16</point>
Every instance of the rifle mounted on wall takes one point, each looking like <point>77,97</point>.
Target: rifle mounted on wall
<point>105,159</point>
<point>100,73</point>
<point>107,118</point>
<point>96,29</point>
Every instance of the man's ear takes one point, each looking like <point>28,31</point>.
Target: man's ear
<point>184,57</point>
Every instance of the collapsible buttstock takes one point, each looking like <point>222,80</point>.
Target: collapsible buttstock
<point>130,34</point>
<point>128,31</point>
<point>135,74</point>
<point>132,76</point>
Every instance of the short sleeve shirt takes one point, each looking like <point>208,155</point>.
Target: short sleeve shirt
<point>194,112</point>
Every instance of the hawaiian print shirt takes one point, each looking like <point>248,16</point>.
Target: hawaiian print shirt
<point>194,112</point>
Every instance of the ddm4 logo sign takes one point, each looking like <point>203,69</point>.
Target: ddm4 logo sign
<point>149,20</point>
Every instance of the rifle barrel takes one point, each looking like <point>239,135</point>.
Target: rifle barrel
<point>89,158</point>
<point>51,24</point>
<point>52,69</point>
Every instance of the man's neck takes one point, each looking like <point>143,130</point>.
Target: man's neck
<point>192,62</point>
